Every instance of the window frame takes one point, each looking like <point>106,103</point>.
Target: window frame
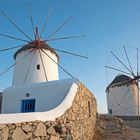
<point>28,105</point>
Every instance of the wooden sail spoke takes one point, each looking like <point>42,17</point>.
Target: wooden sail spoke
<point>137,61</point>
<point>7,49</point>
<point>71,53</point>
<point>14,24</point>
<point>55,31</point>
<point>118,70</point>
<point>121,62</point>
<point>58,64</point>
<point>6,70</point>
<point>11,37</point>
<point>32,23</point>
<point>63,38</point>
<point>128,60</point>
<point>43,65</point>
<point>29,66</point>
<point>46,22</point>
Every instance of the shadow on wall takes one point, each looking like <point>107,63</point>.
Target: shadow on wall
<point>0,101</point>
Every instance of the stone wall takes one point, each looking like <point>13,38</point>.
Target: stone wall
<point>77,123</point>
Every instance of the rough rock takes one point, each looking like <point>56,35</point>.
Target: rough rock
<point>64,130</point>
<point>18,124</point>
<point>4,134</point>
<point>19,134</point>
<point>37,138</point>
<point>68,137</point>
<point>40,130</point>
<point>54,137</point>
<point>27,128</point>
<point>2,126</point>
<point>51,130</point>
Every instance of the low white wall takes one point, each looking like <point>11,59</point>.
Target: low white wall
<point>47,95</point>
<point>42,116</point>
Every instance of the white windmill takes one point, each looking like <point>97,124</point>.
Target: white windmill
<point>123,92</point>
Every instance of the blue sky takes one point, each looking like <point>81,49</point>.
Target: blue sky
<point>107,24</point>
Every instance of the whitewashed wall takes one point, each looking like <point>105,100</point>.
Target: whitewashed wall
<point>123,100</point>
<point>34,75</point>
<point>52,114</point>
<point>48,95</point>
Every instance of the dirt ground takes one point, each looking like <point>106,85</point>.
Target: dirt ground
<point>113,128</point>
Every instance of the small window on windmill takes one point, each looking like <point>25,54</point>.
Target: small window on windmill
<point>110,111</point>
<point>28,105</point>
<point>38,67</point>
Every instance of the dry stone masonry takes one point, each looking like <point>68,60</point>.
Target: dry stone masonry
<point>77,123</point>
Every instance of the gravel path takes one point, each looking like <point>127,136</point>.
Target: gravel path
<point>113,128</point>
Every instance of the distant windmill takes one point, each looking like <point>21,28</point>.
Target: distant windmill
<point>123,92</point>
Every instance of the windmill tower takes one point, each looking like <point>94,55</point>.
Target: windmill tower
<point>123,96</point>
<point>123,92</point>
<point>38,67</point>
